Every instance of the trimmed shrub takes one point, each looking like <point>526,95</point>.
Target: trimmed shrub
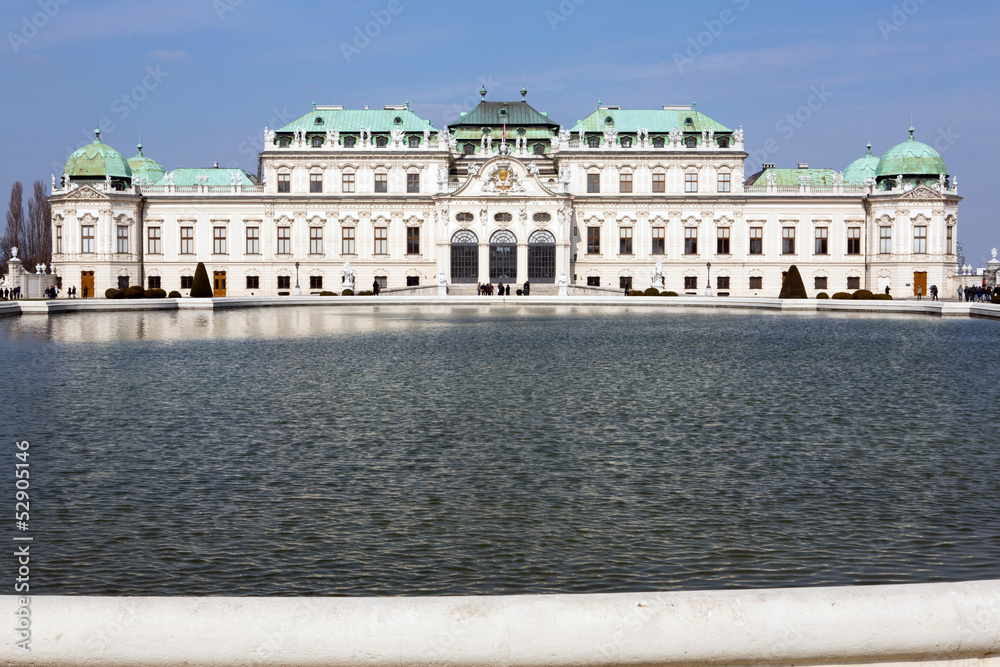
<point>881,297</point>
<point>793,288</point>
<point>995,299</point>
<point>635,292</point>
<point>155,293</point>
<point>668,293</point>
<point>347,292</point>
<point>863,295</point>
<point>327,293</point>
<point>822,295</point>
<point>112,293</point>
<point>843,295</point>
<point>174,294</point>
<point>135,292</point>
<point>366,292</point>
<point>652,291</point>
<point>202,287</point>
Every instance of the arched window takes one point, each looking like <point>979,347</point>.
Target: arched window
<point>503,256</point>
<point>469,149</point>
<point>691,142</point>
<point>503,217</point>
<point>465,217</point>
<point>464,256</point>
<point>539,149</point>
<point>317,141</point>
<point>657,142</point>
<point>626,142</point>
<point>542,257</point>
<point>541,217</point>
<point>350,142</point>
<point>381,142</point>
<point>594,142</point>
<point>414,142</point>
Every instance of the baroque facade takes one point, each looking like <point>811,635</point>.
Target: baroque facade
<point>504,194</point>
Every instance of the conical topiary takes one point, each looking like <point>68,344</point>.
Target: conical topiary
<point>201,287</point>
<point>793,288</point>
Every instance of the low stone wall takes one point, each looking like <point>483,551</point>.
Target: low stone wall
<point>946,624</point>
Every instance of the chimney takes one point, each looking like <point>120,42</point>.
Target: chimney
<point>215,165</point>
<point>768,165</point>
<point>803,165</point>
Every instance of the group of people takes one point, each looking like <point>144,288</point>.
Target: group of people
<point>10,293</point>
<point>920,292</point>
<point>487,289</point>
<point>977,293</point>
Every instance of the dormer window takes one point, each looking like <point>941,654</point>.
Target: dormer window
<point>609,121</point>
<point>626,142</point>
<point>414,142</point>
<point>381,142</point>
<point>318,121</point>
<point>594,142</point>
<point>539,149</point>
<point>397,120</point>
<point>691,142</point>
<point>284,142</point>
<point>469,149</point>
<point>723,142</point>
<point>503,113</point>
<point>317,141</point>
<point>689,121</point>
<point>657,142</point>
<point>520,131</point>
<point>350,142</point>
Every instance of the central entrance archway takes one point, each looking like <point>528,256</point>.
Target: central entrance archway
<point>542,257</point>
<point>503,257</point>
<point>464,257</point>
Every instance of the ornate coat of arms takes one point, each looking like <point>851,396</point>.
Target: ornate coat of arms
<point>503,179</point>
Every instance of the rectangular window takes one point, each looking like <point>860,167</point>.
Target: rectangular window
<point>284,282</point>
<point>920,240</point>
<point>154,246</point>
<point>722,242</point>
<point>690,240</point>
<point>853,240</point>
<point>412,281</point>
<point>315,240</point>
<point>253,240</point>
<point>187,240</point>
<point>315,282</point>
<point>187,282</point>
<point>885,240</point>
<point>725,183</point>
<point>625,241</point>
<point>284,240</point>
<point>625,183</point>
<point>413,182</point>
<point>593,183</point>
<point>756,282</point>
<point>122,238</point>
<point>756,240</point>
<point>219,240</point>
<point>284,182</point>
<point>691,182</point>
<point>822,241</point>
<point>854,282</point>
<point>381,182</point>
<point>154,282</point>
<point>315,182</point>
<point>659,182</point>
<point>383,281</point>
<point>722,282</point>
<point>625,282</point>
<point>659,240</point>
<point>820,282</point>
<point>690,282</point>
<point>787,240</point>
<point>412,240</point>
<point>253,282</point>
<point>381,240</point>
<point>949,239</point>
<point>347,241</point>
<point>348,180</point>
<point>59,247</point>
<point>593,240</point>
<point>593,281</point>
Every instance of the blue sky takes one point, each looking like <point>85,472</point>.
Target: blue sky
<point>203,77</point>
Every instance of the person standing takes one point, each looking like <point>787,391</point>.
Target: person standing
<point>934,292</point>
<point>527,288</point>
<point>376,288</point>
<point>920,292</point>
<point>499,289</point>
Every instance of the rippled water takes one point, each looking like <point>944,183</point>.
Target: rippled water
<point>481,451</point>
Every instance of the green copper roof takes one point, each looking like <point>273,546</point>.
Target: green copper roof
<point>487,114</point>
<point>861,169</point>
<point>657,121</point>
<point>97,160</point>
<point>144,168</point>
<point>352,120</point>
<point>790,177</point>
<point>475,134</point>
<point>911,158</point>
<point>222,176</point>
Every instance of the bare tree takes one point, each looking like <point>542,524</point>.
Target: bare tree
<point>38,235</point>
<point>14,232</point>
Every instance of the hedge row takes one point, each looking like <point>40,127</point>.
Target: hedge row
<point>136,292</point>
<point>652,291</point>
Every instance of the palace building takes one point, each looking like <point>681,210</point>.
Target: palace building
<point>625,197</point>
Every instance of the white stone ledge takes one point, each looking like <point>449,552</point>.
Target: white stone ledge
<point>955,624</point>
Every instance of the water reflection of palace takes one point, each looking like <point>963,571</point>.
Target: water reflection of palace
<point>506,194</point>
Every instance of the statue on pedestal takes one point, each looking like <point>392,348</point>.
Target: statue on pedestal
<point>656,279</point>
<point>348,276</point>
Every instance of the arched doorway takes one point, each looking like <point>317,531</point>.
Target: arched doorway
<point>503,257</point>
<point>464,257</point>
<point>542,257</point>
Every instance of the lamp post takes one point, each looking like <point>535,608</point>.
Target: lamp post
<point>298,290</point>
<point>708,286</point>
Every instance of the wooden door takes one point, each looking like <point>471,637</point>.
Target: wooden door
<point>920,281</point>
<point>87,284</point>
<point>219,280</point>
